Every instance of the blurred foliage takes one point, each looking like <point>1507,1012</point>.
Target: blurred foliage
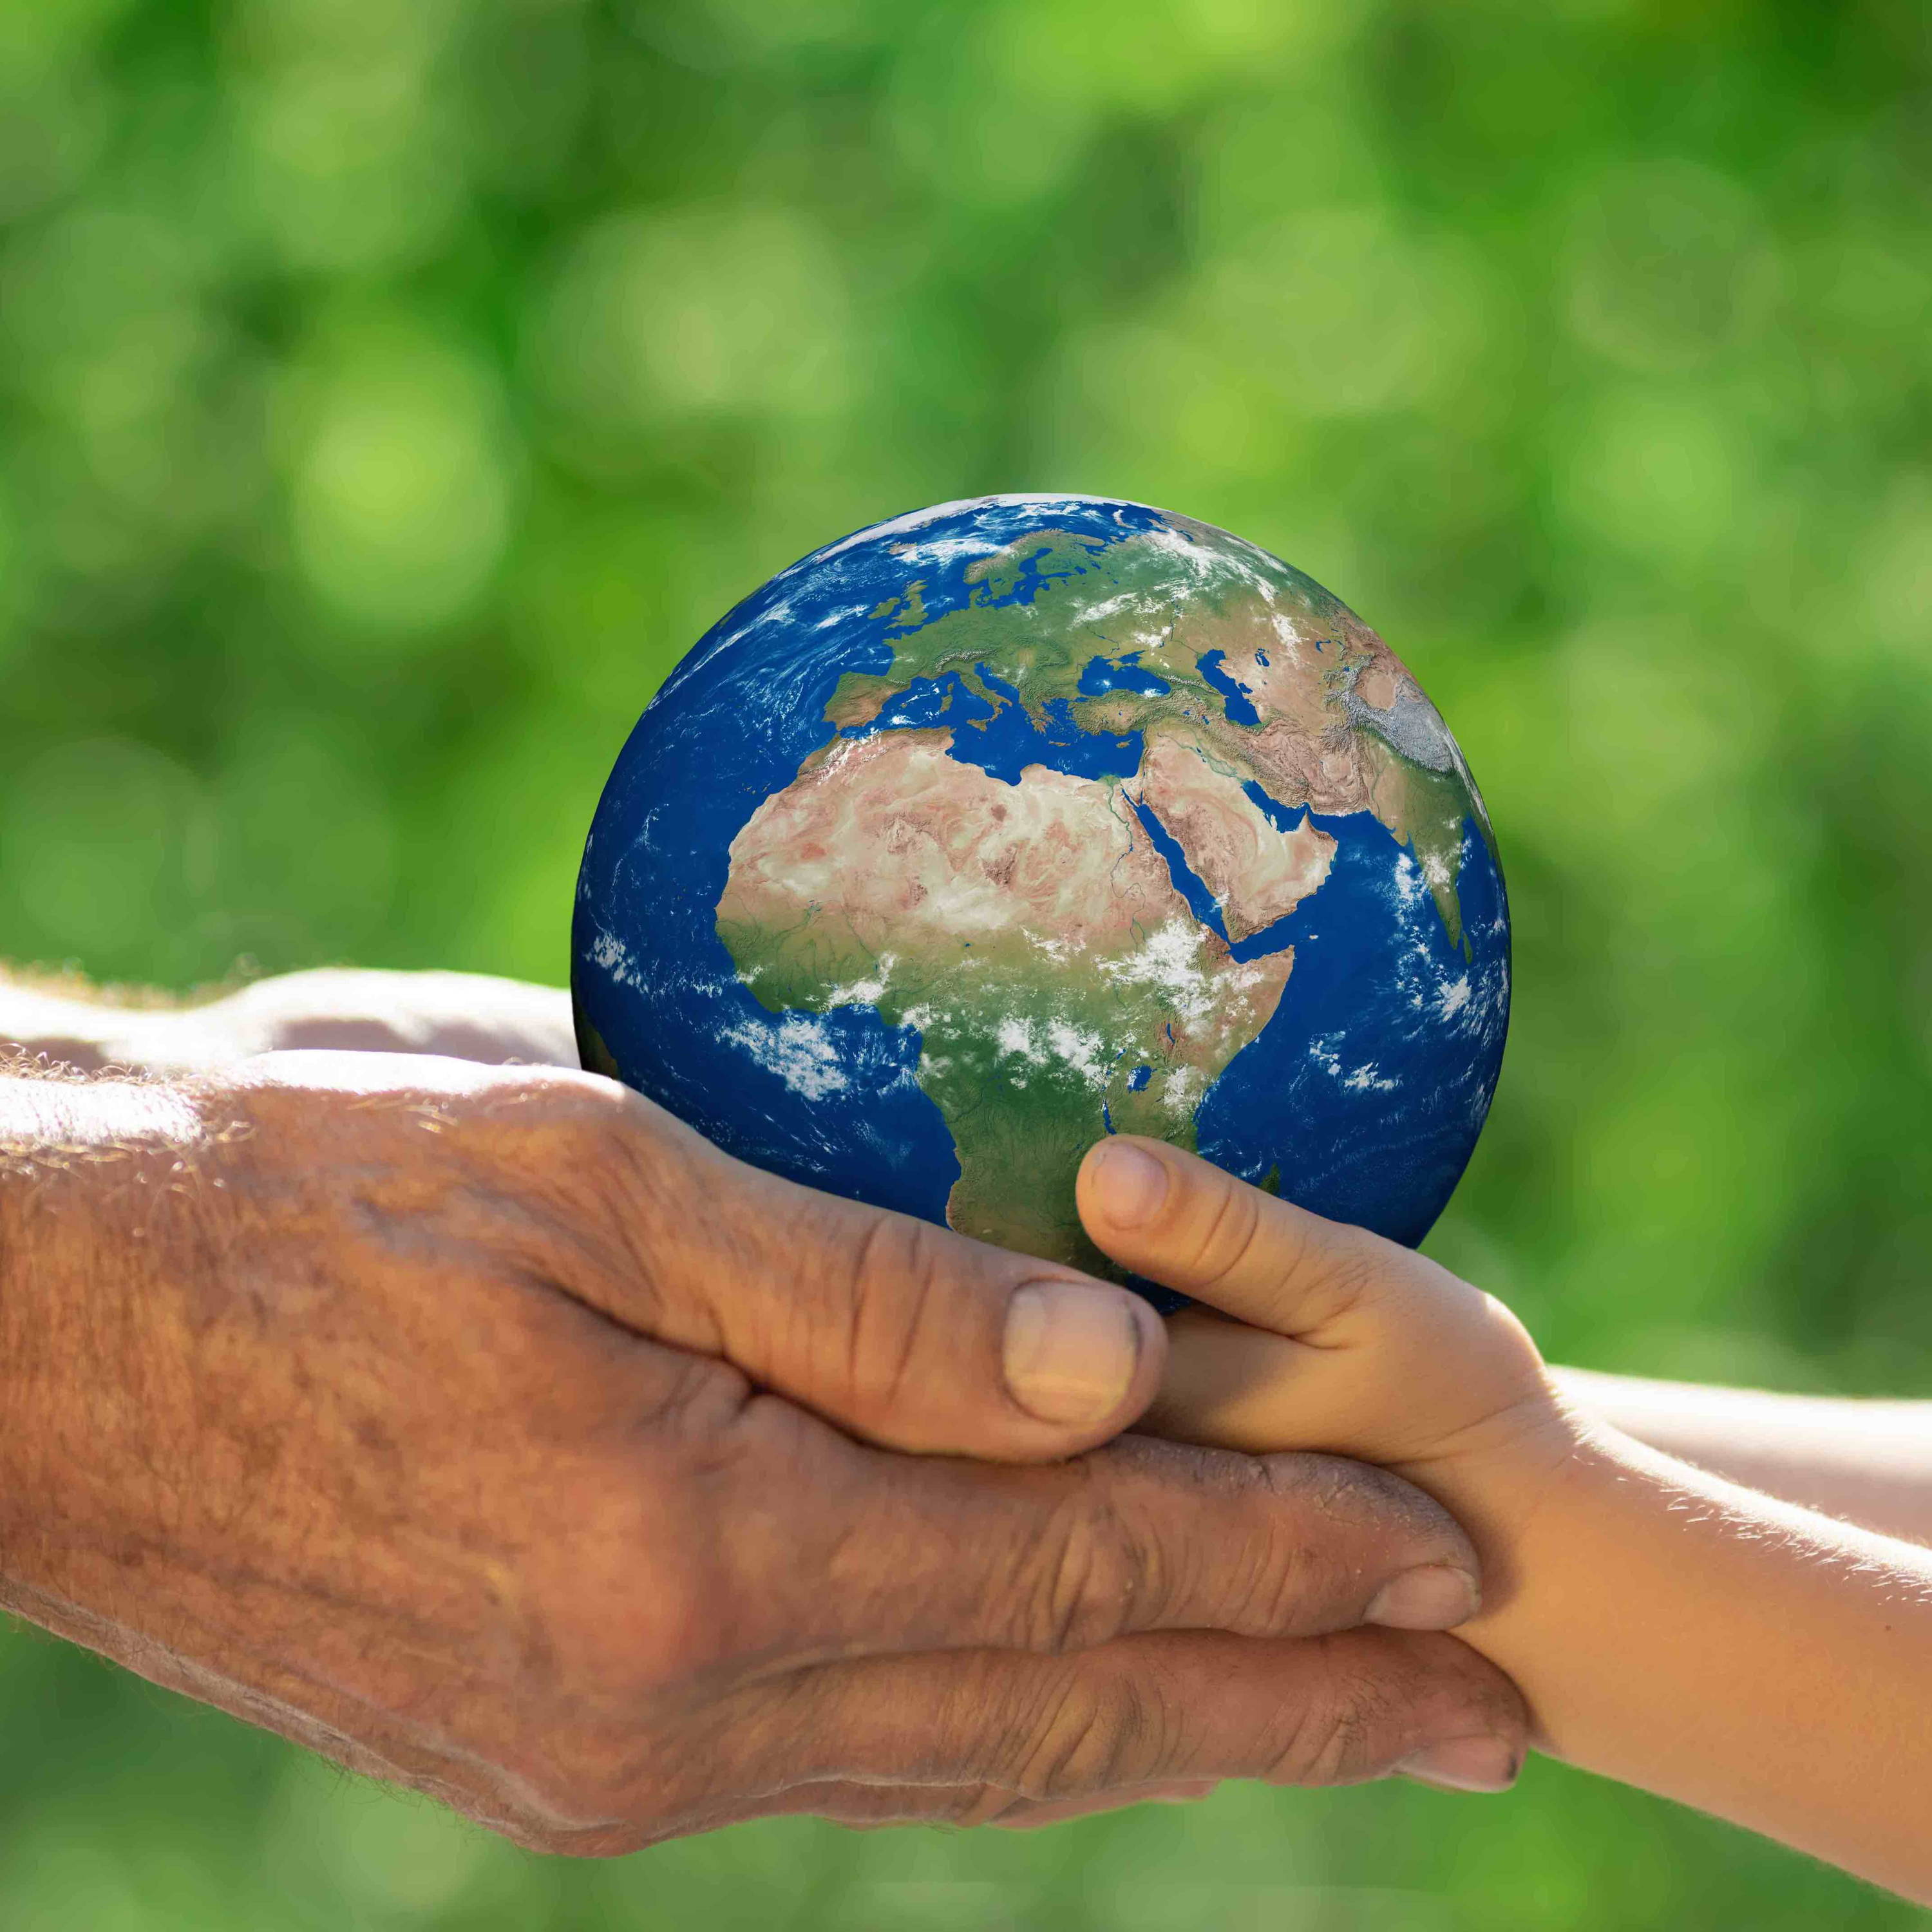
<point>389,393</point>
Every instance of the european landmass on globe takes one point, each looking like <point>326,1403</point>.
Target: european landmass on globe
<point>1008,824</point>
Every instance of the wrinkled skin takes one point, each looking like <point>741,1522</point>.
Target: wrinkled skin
<point>490,1433</point>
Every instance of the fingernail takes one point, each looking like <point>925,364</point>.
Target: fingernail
<point>1465,1764</point>
<point>1434,1596</point>
<point>1129,1184</point>
<point>1071,1350</point>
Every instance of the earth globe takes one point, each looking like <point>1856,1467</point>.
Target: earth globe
<point>1007,824</point>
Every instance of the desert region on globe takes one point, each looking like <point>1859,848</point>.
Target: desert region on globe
<point>997,828</point>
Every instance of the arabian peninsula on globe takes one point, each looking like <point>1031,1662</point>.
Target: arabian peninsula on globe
<point>1007,824</point>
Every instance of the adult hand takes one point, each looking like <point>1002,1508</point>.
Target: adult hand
<point>491,1431</point>
<point>467,1016</point>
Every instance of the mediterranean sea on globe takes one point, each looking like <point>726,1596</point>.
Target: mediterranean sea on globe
<point>1002,826</point>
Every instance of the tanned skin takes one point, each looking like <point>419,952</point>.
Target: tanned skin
<point>482,1427</point>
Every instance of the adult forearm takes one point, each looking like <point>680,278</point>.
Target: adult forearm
<point>91,1215</point>
<point>465,1015</point>
<point>60,1022</point>
<point>1868,1463</point>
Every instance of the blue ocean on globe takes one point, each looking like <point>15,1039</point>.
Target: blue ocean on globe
<point>1006,824</point>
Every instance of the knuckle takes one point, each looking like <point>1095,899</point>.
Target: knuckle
<point>633,1600</point>
<point>891,1288</point>
<point>1338,1737</point>
<point>1087,1580</point>
<point>1382,1693</point>
<point>698,1403</point>
<point>1242,1232</point>
<point>1297,1535</point>
<point>1351,1273</point>
<point>1226,1235</point>
<point>1094,1729</point>
<point>739,1598</point>
<point>650,1627</point>
<point>1129,1553</point>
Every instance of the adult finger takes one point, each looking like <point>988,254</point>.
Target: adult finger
<point>980,1736</point>
<point>897,1554</point>
<point>1187,1707</point>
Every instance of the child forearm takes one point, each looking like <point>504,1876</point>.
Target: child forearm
<point>1694,1637</point>
<point>1869,1462</point>
<point>1705,1642</point>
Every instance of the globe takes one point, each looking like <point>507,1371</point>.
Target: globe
<point>1007,824</point>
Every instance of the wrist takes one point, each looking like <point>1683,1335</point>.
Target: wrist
<point>1557,1549</point>
<point>1503,1477</point>
<point>93,1211</point>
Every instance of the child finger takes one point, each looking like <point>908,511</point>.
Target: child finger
<point>1228,1386</point>
<point>1179,1220</point>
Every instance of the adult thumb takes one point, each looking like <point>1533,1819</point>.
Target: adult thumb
<point>902,1333</point>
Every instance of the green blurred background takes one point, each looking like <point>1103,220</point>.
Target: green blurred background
<point>390,390</point>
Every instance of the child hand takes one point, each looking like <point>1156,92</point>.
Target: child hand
<point>1665,1627</point>
<point>1345,1342</point>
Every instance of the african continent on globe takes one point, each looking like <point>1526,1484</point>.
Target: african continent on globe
<point>1007,824</point>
